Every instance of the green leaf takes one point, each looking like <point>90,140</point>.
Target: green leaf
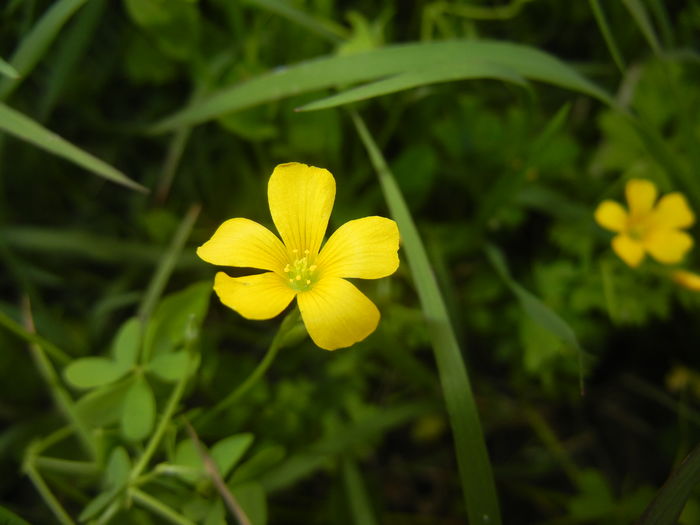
<point>174,25</point>
<point>475,471</point>
<point>103,406</point>
<point>252,499</point>
<point>430,75</point>
<point>90,372</point>
<point>329,72</point>
<point>8,517</point>
<point>227,452</point>
<point>7,70</point>
<point>177,318</point>
<point>126,343</point>
<point>641,17</point>
<point>186,455</point>
<point>533,306</point>
<point>38,41</point>
<point>118,468</point>
<point>22,127</point>
<point>139,411</point>
<point>170,367</point>
<point>116,477</point>
<point>258,464</point>
<point>356,493</point>
<point>672,497</point>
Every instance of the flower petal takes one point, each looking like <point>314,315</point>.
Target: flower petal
<point>337,314</point>
<point>673,212</point>
<point>611,215</point>
<point>244,243</point>
<point>301,199</point>
<point>363,248</point>
<point>261,296</point>
<point>667,246</point>
<point>641,195</point>
<point>686,279</point>
<point>628,249</point>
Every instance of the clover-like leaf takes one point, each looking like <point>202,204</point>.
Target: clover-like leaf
<point>91,372</point>
<point>126,343</point>
<point>170,367</point>
<point>139,411</point>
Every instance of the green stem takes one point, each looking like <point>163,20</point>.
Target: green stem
<point>277,343</point>
<point>154,505</point>
<point>153,443</point>
<point>166,266</point>
<point>60,396</point>
<point>470,447</point>
<point>66,466</point>
<point>50,348</point>
<point>46,494</point>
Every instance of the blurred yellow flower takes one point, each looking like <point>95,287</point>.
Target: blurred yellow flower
<point>686,279</point>
<point>336,314</point>
<point>649,226</point>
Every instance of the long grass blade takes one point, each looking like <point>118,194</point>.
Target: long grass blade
<point>608,36</point>
<point>323,28</point>
<point>472,456</point>
<point>22,127</point>
<point>431,75</point>
<point>641,17</point>
<point>38,41</point>
<point>668,503</point>
<point>355,490</point>
<point>333,71</point>
<point>7,70</point>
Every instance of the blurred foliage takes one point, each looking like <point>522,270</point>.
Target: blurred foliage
<point>485,167</point>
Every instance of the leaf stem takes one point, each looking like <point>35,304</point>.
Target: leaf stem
<point>160,508</point>
<point>277,343</point>
<point>46,494</point>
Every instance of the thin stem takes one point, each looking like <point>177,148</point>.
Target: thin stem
<point>255,376</point>
<point>217,480</point>
<point>46,494</point>
<point>66,466</point>
<point>166,265</point>
<point>30,337</point>
<point>109,513</point>
<point>153,443</point>
<point>152,504</point>
<point>60,396</point>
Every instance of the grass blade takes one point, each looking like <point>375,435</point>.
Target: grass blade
<point>356,492</point>
<point>604,27</point>
<point>167,264</point>
<point>7,70</point>
<point>639,13</point>
<point>472,456</point>
<point>329,72</point>
<point>431,75</point>
<point>668,503</point>
<point>323,28</point>
<point>21,126</point>
<point>536,309</point>
<point>38,41</point>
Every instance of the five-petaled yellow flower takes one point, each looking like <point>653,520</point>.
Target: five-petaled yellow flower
<point>649,226</point>
<point>336,314</point>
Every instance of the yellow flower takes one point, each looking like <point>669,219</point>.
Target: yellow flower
<point>648,227</point>
<point>686,279</point>
<point>336,314</point>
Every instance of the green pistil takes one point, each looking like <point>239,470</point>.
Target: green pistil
<point>301,274</point>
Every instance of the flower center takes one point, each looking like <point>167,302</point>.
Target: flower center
<point>301,274</point>
<point>637,228</point>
